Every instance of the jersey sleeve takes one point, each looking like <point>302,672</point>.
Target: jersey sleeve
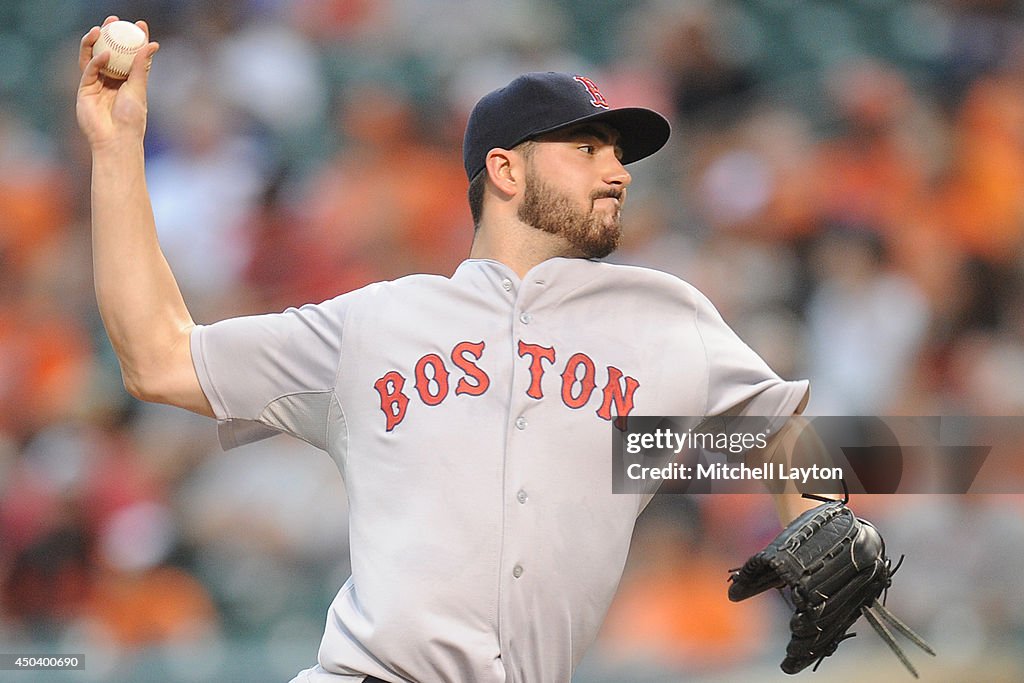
<point>266,374</point>
<point>739,382</point>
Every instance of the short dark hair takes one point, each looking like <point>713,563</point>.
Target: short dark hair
<point>476,196</point>
<point>479,183</point>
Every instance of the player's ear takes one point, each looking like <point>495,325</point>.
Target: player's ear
<point>503,170</point>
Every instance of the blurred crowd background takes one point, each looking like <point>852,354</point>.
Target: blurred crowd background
<point>844,182</point>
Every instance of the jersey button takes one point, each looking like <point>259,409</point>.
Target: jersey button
<point>520,423</point>
<point>525,318</point>
<point>521,496</point>
<point>517,571</point>
<point>506,284</point>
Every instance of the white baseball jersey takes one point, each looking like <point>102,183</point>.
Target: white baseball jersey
<point>471,419</point>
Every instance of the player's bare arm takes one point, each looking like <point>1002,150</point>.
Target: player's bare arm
<point>139,300</point>
<point>795,435</point>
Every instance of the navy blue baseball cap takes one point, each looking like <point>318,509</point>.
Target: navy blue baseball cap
<point>537,103</point>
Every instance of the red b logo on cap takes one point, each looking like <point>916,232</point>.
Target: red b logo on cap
<point>596,98</point>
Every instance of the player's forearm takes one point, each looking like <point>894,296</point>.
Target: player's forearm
<point>796,441</point>
<point>139,300</point>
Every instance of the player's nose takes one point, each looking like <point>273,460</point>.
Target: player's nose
<point>616,174</point>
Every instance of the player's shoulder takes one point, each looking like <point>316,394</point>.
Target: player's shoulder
<point>669,284</point>
<point>401,293</point>
<point>407,285</point>
<point>369,294</point>
<point>638,272</point>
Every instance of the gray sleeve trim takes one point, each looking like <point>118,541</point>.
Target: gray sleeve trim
<point>303,415</point>
<point>235,433</point>
<point>309,416</point>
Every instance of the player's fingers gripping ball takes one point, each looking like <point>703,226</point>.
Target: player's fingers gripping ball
<point>122,39</point>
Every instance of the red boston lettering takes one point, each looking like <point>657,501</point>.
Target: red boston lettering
<point>579,380</point>
<point>392,401</point>
<point>537,355</point>
<point>440,378</point>
<point>615,393</point>
<point>470,368</point>
<point>570,378</point>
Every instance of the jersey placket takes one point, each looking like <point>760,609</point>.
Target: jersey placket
<point>515,562</point>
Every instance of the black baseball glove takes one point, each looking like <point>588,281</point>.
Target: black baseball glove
<point>832,567</point>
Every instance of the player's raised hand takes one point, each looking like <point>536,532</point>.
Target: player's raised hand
<point>110,110</point>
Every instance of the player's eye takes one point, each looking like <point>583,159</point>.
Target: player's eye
<point>588,149</point>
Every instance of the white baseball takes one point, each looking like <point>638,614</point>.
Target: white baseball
<point>122,39</point>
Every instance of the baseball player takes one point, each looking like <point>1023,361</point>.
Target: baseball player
<point>469,415</point>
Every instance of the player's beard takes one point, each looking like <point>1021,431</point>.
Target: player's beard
<point>594,234</point>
